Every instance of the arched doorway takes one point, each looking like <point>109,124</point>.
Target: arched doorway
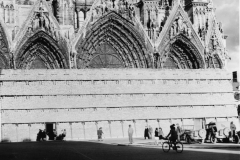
<point>182,54</point>
<point>113,31</point>
<point>41,52</point>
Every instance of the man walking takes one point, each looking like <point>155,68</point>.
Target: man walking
<point>130,134</point>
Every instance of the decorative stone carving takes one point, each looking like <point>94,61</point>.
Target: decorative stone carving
<point>120,6</point>
<point>180,27</point>
<point>156,58</point>
<point>214,42</point>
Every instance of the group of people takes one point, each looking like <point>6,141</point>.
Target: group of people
<point>148,132</point>
<point>175,133</point>
<point>130,134</point>
<point>42,135</point>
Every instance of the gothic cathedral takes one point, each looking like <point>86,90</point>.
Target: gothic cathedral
<point>83,64</point>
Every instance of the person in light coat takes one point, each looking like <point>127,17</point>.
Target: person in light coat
<point>130,134</point>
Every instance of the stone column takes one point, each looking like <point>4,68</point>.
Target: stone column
<point>158,120</point>
<point>83,123</point>
<point>122,128</point>
<point>134,122</point>
<point>29,131</point>
<point>17,131</point>
<point>109,123</point>
<point>70,124</point>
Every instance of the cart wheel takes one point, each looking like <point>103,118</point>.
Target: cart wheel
<point>166,147</point>
<point>237,140</point>
<point>213,139</point>
<point>179,147</point>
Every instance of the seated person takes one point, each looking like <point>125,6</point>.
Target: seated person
<point>173,135</point>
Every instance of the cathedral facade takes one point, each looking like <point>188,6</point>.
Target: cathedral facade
<point>82,64</point>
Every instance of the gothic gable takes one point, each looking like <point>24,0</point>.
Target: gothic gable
<point>179,41</point>
<point>117,21</point>
<point>40,35</point>
<point>215,52</point>
<point>117,32</point>
<point>41,46</point>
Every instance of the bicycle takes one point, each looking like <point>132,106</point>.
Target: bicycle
<point>167,145</point>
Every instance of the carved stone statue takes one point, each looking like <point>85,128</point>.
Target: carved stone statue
<point>214,41</point>
<point>189,32</point>
<point>35,23</point>
<point>42,21</point>
<point>175,28</point>
<point>52,28</point>
<point>47,23</point>
<point>30,30</point>
<point>179,23</point>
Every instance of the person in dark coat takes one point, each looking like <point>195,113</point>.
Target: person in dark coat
<point>44,135</point>
<point>146,135</point>
<point>39,135</point>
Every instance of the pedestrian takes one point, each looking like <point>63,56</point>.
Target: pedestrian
<point>233,130</point>
<point>150,131</point>
<point>100,133</point>
<point>130,134</point>
<point>44,135</point>
<point>160,135</point>
<point>179,132</point>
<point>156,136</point>
<point>39,135</point>
<point>146,135</point>
<point>64,133</point>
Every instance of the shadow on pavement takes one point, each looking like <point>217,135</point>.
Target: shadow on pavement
<point>61,150</point>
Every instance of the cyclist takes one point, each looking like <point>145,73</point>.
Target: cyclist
<point>173,136</point>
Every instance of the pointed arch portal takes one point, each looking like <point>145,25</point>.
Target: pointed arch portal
<point>183,54</point>
<point>41,52</point>
<point>125,44</point>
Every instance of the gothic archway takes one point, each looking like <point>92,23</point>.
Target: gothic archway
<point>118,33</point>
<point>41,51</point>
<point>182,54</point>
<point>4,48</point>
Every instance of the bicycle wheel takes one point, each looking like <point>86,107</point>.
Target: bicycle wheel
<point>165,147</point>
<point>179,147</point>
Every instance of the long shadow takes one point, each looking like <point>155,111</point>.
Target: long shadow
<point>98,151</point>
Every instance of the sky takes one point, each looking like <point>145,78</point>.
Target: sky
<point>227,12</point>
